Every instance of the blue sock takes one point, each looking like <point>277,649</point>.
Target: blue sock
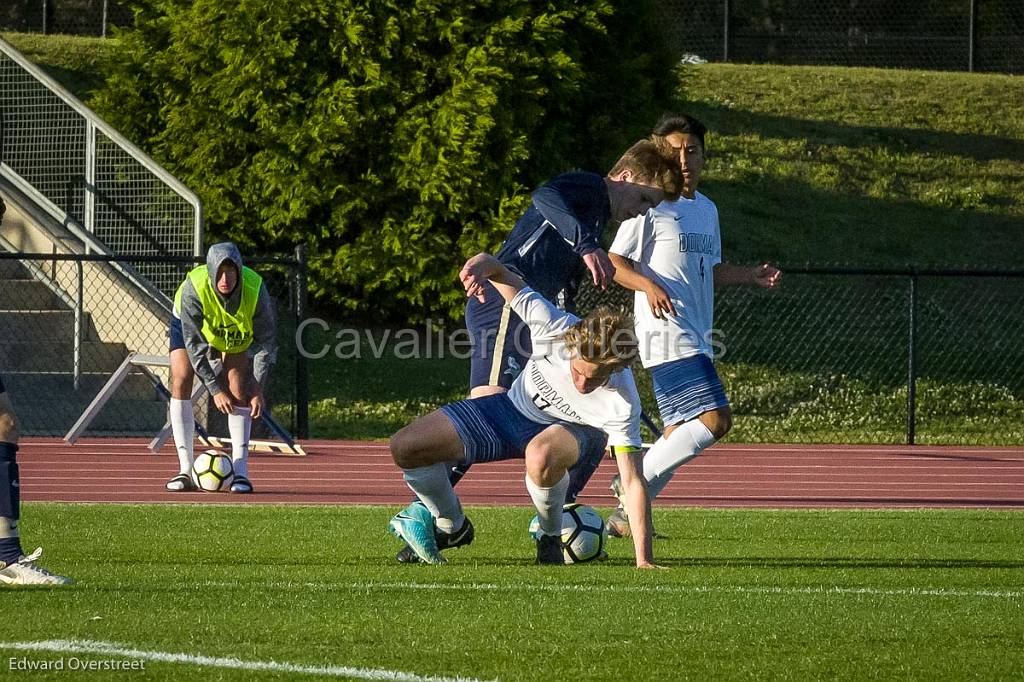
<point>584,468</point>
<point>10,544</point>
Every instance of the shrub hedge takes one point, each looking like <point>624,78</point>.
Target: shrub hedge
<point>393,137</point>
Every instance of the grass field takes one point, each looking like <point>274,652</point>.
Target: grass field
<point>748,594</point>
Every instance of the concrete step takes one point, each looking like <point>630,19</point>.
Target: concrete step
<point>12,269</point>
<point>58,356</point>
<point>60,387</point>
<point>27,294</point>
<point>45,324</point>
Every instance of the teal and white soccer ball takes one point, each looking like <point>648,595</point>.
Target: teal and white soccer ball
<point>212,471</point>
<point>583,533</point>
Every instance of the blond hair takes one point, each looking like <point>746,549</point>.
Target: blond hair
<point>604,337</point>
<point>651,166</point>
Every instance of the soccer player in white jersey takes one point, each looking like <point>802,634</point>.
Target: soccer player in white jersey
<point>672,258</point>
<point>576,385</point>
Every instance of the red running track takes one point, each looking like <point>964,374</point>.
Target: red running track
<point>341,472</point>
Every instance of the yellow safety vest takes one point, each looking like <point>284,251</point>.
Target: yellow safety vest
<point>226,332</point>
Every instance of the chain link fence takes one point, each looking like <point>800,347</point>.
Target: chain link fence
<point>72,17</point>
<point>868,356</point>
<point>946,35</point>
<point>69,321</point>
<point>950,35</point>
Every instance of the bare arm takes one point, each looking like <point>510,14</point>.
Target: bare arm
<point>638,505</point>
<point>628,276</point>
<point>484,267</point>
<point>765,276</point>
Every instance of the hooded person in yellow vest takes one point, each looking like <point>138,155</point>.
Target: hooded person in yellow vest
<point>225,307</point>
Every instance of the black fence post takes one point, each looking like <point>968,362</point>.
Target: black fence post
<point>912,363</point>
<point>727,9</point>
<point>301,370</point>
<point>972,37</point>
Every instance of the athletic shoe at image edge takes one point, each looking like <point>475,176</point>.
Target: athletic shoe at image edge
<point>463,536</point>
<point>409,525</point>
<point>182,483</point>
<point>618,523</point>
<point>241,484</point>
<point>25,572</point>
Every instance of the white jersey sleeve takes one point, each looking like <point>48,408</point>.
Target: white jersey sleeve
<point>623,424</point>
<point>631,237</point>
<point>545,320</point>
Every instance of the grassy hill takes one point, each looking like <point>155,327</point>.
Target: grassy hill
<point>863,166</point>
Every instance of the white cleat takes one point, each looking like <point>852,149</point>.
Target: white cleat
<point>25,572</point>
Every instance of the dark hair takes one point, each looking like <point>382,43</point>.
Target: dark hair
<point>681,123</point>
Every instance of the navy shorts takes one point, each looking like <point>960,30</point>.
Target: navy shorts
<point>501,341</point>
<point>687,388</point>
<point>492,430</point>
<point>177,335</point>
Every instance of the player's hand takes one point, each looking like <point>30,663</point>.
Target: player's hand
<point>661,304</point>
<point>222,401</point>
<point>474,274</point>
<point>766,276</point>
<point>601,268</point>
<point>256,404</point>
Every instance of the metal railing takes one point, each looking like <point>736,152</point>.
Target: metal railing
<point>84,174</point>
<point>869,355</point>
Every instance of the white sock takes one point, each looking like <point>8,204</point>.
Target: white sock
<point>183,426</point>
<point>431,484</point>
<point>668,454</point>
<point>239,426</point>
<point>548,502</point>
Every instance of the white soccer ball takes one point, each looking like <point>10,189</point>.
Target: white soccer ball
<point>583,533</point>
<point>212,471</point>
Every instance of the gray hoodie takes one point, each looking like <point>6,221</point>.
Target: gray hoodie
<point>264,346</point>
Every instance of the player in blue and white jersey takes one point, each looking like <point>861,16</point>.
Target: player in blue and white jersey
<point>15,567</point>
<point>555,239</point>
<point>576,381</point>
<point>672,258</point>
<point>559,231</point>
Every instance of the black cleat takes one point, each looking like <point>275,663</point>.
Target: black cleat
<point>182,483</point>
<point>549,550</point>
<point>463,536</point>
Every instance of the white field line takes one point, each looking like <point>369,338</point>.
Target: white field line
<point>641,589</point>
<point>81,646</point>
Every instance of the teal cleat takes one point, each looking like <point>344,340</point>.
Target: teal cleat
<point>415,526</point>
